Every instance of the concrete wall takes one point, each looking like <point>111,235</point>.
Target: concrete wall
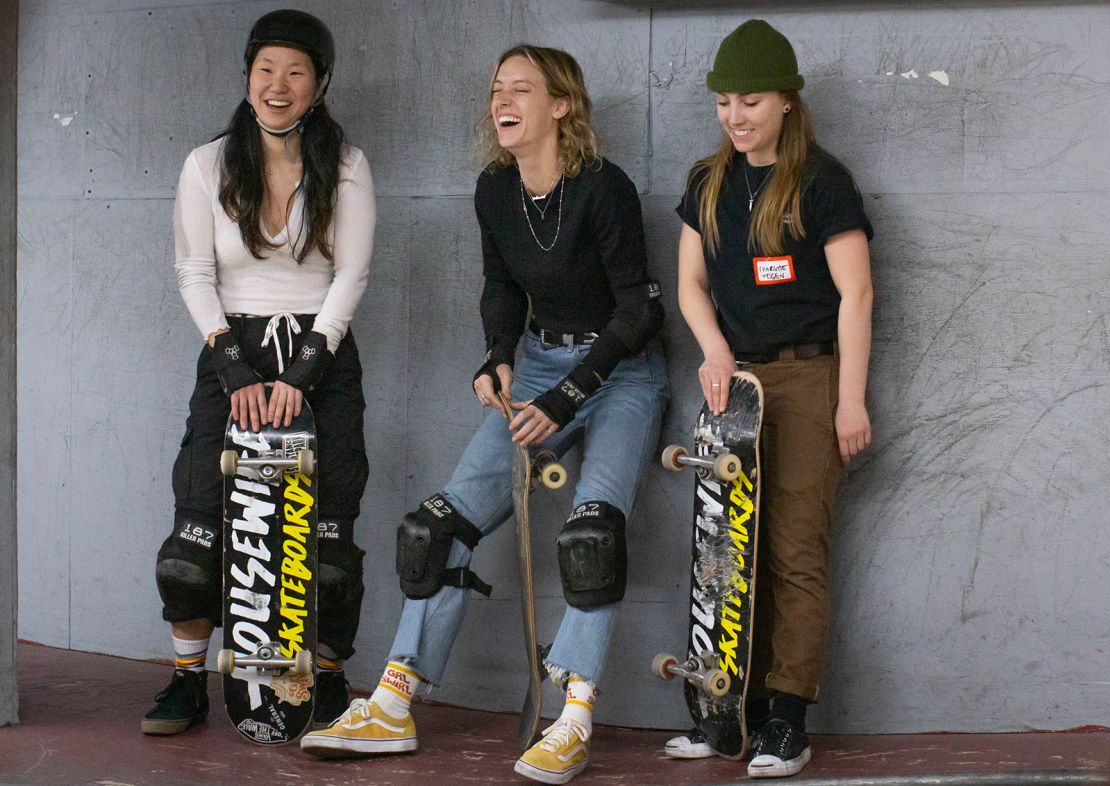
<point>970,558</point>
<point>9,14</point>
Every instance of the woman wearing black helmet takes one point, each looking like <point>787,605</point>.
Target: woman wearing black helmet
<point>273,226</point>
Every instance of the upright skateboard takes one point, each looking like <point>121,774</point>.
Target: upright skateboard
<point>722,577</point>
<point>526,470</point>
<point>269,612</point>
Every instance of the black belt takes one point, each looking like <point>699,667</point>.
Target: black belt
<point>551,339</point>
<point>792,352</point>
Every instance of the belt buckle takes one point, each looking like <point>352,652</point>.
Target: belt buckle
<point>544,342</point>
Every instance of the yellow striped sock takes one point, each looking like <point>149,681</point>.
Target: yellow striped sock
<point>395,689</point>
<point>579,708</point>
<point>190,654</point>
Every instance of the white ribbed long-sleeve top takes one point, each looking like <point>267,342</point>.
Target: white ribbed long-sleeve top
<point>218,276</point>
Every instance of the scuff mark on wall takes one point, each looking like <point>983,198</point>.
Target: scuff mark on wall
<point>940,76</point>
<point>911,74</point>
<point>663,83</point>
<point>64,118</point>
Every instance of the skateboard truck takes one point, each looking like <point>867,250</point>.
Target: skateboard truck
<point>698,671</point>
<point>269,467</point>
<point>722,466</point>
<point>267,657</point>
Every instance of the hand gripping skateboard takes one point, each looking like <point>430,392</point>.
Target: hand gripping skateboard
<point>526,471</point>
<point>269,606</point>
<point>722,577</point>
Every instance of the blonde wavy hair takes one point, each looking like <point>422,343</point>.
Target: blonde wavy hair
<point>578,145</point>
<point>781,198</point>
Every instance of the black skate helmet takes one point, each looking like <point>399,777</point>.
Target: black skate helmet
<point>297,29</point>
<point>302,31</point>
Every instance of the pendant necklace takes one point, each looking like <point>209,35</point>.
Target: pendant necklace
<point>528,218</point>
<point>751,196</point>
<point>536,198</point>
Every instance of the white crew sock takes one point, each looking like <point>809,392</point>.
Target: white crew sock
<point>579,708</point>
<point>395,689</point>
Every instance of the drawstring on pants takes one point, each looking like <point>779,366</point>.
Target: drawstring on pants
<point>292,327</point>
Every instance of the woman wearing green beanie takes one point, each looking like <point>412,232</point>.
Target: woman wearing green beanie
<point>774,277</point>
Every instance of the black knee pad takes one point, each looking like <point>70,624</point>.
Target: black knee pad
<point>188,569</point>
<point>423,545</point>
<point>593,555</point>
<point>340,574</point>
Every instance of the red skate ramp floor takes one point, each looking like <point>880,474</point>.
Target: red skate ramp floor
<point>80,725</point>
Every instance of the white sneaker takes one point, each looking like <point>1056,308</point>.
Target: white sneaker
<point>691,745</point>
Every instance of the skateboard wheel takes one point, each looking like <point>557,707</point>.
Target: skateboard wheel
<point>225,661</point>
<point>726,467</point>
<point>302,662</point>
<point>306,462</point>
<point>717,682</point>
<point>660,663</point>
<point>229,462</point>
<point>553,476</point>
<point>671,455</point>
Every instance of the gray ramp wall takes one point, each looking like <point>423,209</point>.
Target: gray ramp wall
<point>9,13</point>
<point>970,553</point>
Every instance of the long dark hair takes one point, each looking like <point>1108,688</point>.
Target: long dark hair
<point>242,184</point>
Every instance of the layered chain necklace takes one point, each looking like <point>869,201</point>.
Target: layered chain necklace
<point>557,183</point>
<point>752,196</point>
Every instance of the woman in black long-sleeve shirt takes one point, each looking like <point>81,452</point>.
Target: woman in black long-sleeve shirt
<point>561,232</point>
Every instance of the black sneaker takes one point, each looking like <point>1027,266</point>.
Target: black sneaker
<point>331,698</point>
<point>778,751</point>
<point>756,712</point>
<point>183,703</point>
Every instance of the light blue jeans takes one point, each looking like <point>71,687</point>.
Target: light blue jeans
<point>618,427</point>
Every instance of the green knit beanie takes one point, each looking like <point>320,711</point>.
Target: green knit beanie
<point>754,58</point>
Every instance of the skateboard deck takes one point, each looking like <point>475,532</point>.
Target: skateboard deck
<point>269,607</point>
<point>722,576</point>
<point>526,471</point>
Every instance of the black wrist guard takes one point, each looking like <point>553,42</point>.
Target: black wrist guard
<point>230,364</point>
<point>313,361</point>
<point>489,369</point>
<point>564,400</point>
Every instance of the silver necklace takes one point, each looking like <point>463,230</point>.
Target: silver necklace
<point>528,218</point>
<point>537,197</point>
<point>751,196</point>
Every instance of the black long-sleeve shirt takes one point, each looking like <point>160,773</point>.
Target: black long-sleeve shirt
<point>594,277</point>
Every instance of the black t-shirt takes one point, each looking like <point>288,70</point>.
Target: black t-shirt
<point>763,302</point>
<point>593,279</point>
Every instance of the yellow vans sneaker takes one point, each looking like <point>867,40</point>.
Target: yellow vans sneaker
<point>363,728</point>
<point>559,756</point>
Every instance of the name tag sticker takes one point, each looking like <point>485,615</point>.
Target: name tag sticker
<point>773,270</point>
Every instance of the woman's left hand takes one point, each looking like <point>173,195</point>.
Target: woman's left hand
<point>530,426</point>
<point>853,430</point>
<point>285,404</point>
